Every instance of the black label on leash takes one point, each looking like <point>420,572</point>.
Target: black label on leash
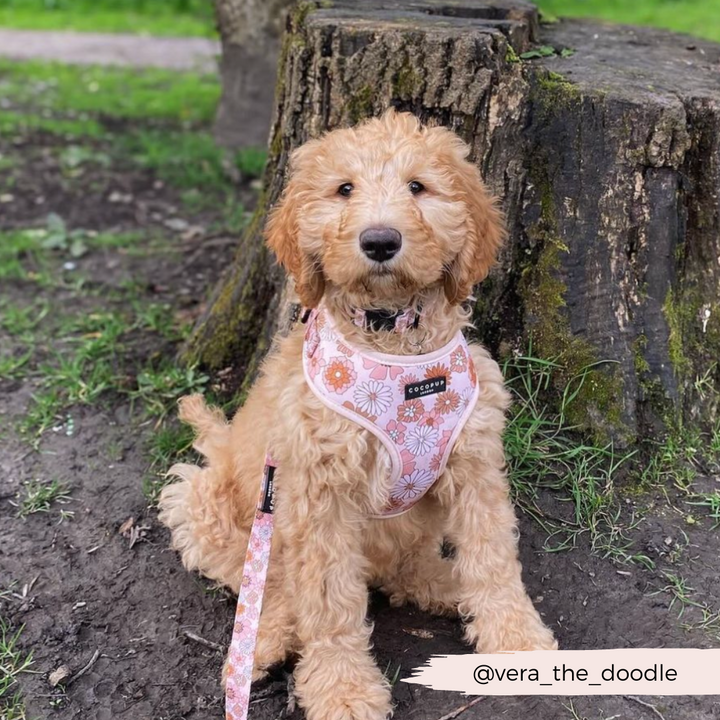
<point>268,501</point>
<point>431,386</point>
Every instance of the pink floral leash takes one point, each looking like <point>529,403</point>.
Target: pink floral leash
<point>250,598</point>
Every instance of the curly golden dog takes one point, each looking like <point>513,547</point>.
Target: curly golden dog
<point>435,232</point>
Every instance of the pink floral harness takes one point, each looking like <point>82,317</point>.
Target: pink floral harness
<point>416,405</point>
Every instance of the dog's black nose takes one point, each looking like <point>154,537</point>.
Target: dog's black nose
<point>380,243</point>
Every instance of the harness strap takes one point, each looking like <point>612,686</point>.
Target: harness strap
<point>250,598</point>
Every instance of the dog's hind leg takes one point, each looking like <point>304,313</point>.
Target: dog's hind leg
<point>209,511</point>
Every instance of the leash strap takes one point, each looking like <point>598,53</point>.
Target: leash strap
<point>250,598</point>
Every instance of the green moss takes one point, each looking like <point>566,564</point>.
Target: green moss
<point>678,315</point>
<point>555,92</point>
<point>598,387</point>
<point>694,343</point>
<point>510,55</point>
<point>300,12</point>
<point>641,364</point>
<point>360,105</point>
<point>407,81</point>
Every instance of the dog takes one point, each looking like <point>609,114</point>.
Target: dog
<point>382,218</point>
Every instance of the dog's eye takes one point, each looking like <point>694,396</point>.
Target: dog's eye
<point>345,189</point>
<point>416,187</point>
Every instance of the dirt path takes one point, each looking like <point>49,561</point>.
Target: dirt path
<point>109,49</point>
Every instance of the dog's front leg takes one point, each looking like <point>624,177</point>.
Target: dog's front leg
<point>336,677</point>
<point>483,527</point>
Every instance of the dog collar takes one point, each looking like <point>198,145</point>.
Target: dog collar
<point>377,320</point>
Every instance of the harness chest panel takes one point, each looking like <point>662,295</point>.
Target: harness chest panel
<point>416,405</point>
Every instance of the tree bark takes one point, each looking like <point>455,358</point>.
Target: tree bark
<point>608,163</point>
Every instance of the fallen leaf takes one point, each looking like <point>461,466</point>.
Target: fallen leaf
<point>418,632</point>
<point>58,675</point>
<point>127,526</point>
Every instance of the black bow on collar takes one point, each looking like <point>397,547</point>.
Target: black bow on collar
<point>377,320</point>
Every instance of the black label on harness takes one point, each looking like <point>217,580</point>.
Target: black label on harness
<point>431,386</point>
<point>268,501</point>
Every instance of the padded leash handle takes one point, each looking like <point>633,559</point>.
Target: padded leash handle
<point>241,656</point>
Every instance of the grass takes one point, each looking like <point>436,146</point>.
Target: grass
<point>27,255</point>
<point>709,501</point>
<point>151,120</point>
<point>181,159</point>
<point>38,497</point>
<point>169,444</point>
<point>17,124</point>
<point>697,17</point>
<point>153,17</point>
<point>81,93</point>
<point>18,320</point>
<point>159,388</point>
<point>12,662</point>
<point>706,618</point>
<point>12,364</point>
<point>545,451</point>
<point>93,361</point>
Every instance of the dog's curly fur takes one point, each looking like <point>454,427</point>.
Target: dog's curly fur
<point>333,474</point>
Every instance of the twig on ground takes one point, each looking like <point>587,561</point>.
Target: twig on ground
<point>81,672</point>
<point>264,694</point>
<point>461,709</point>
<point>202,641</point>
<point>645,704</point>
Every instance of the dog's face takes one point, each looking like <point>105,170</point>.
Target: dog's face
<point>383,211</point>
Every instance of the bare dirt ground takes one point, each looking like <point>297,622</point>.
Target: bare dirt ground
<point>110,49</point>
<point>84,591</point>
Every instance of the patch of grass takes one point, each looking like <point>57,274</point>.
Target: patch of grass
<point>689,16</point>
<point>12,364</point>
<point>8,163</point>
<point>181,159</point>
<point>24,254</point>
<point>167,445</point>
<point>18,250</point>
<point>546,451</point>
<point>709,501</point>
<point>703,616</point>
<point>91,362</point>
<point>251,161</point>
<point>16,123</point>
<point>77,92</point>
<point>192,162</point>
<point>20,321</point>
<point>160,388</point>
<point>12,662</point>
<point>42,413</point>
<point>672,460</point>
<point>152,17</point>
<point>679,592</point>
<point>38,497</point>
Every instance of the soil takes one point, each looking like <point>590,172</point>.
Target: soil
<point>79,588</point>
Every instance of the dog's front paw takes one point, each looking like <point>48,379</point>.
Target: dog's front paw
<point>342,690</point>
<point>524,631</point>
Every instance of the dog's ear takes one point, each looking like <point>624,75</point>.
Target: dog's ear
<point>282,233</point>
<point>485,224</point>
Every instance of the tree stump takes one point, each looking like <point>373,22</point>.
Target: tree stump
<point>607,160</point>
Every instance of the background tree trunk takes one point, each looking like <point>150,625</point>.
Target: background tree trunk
<point>608,163</point>
<point>250,31</point>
